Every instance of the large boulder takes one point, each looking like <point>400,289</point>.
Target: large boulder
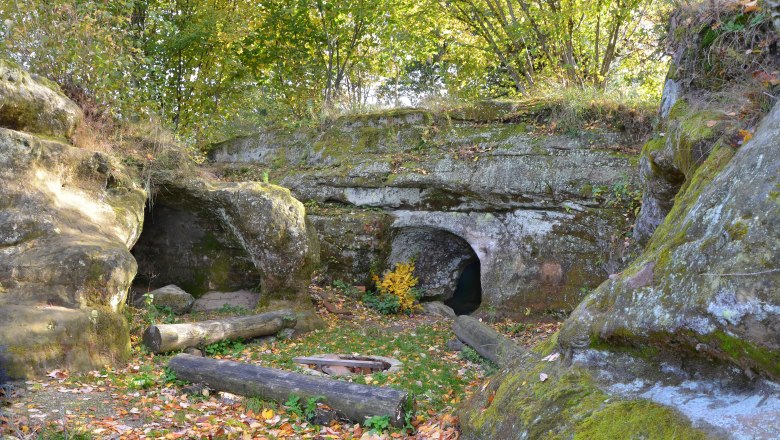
<point>33,104</point>
<point>67,220</point>
<point>205,235</point>
<point>535,399</point>
<point>170,296</point>
<point>708,282</point>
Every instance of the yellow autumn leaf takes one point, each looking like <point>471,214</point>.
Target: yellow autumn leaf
<point>267,414</point>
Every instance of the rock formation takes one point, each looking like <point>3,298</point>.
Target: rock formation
<point>67,220</point>
<point>540,213</point>
<point>694,321</point>
<point>206,235</point>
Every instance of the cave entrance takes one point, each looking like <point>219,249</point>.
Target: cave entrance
<point>446,265</point>
<point>468,292</point>
<point>183,242</point>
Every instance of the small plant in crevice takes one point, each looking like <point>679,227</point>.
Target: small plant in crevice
<point>382,303</point>
<point>471,355</point>
<point>306,410</point>
<point>169,376</point>
<point>156,314</point>
<point>253,404</point>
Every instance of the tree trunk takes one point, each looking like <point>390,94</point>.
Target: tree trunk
<point>353,401</point>
<point>168,337</point>
<point>484,340</point>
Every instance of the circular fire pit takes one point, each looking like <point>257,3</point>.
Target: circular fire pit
<point>347,364</point>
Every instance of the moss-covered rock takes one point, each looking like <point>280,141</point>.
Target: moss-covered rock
<point>33,104</point>
<point>40,338</point>
<point>707,284</point>
<point>228,236</point>
<point>546,400</point>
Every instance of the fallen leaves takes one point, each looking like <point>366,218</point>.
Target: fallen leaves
<point>110,404</point>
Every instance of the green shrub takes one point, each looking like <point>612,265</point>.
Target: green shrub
<point>385,304</point>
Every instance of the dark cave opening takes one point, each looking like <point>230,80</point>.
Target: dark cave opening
<point>446,265</point>
<point>185,244</point>
<point>468,293</point>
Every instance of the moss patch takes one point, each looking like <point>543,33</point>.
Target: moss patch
<point>637,419</point>
<point>567,404</point>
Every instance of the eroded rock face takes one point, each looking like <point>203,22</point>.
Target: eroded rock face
<point>228,236</point>
<point>708,282</point>
<point>351,242</point>
<point>545,215</point>
<point>33,104</point>
<point>67,219</point>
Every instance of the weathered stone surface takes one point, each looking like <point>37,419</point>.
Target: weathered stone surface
<point>714,290</point>
<point>438,309</point>
<point>352,241</point>
<point>233,235</point>
<point>33,104</point>
<point>43,337</point>
<point>171,296</point>
<point>538,399</point>
<point>542,213</point>
<point>536,259</point>
<point>216,300</point>
<point>67,219</point>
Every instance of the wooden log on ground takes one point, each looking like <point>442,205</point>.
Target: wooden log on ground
<point>353,401</point>
<point>487,342</point>
<point>162,338</point>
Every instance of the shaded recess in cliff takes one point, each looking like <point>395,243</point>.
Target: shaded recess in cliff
<point>445,263</point>
<point>186,245</point>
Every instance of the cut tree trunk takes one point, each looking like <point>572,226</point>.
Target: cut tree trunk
<point>487,342</point>
<point>162,338</point>
<point>353,401</point>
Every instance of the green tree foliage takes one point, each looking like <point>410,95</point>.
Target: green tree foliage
<point>577,42</point>
<point>82,45</point>
<point>212,69</point>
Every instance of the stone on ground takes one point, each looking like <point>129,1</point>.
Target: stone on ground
<point>438,309</point>
<point>171,296</point>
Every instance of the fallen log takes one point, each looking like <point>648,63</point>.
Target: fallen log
<point>353,401</point>
<point>484,340</point>
<point>162,338</point>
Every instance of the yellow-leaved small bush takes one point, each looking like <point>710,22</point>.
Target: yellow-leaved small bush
<point>400,282</point>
